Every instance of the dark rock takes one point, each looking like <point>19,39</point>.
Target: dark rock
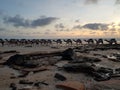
<point>24,74</point>
<point>21,60</point>
<point>13,77</point>
<point>117,70</point>
<point>60,77</point>
<point>115,75</point>
<point>91,59</point>
<point>44,83</point>
<point>105,70</point>
<point>13,86</point>
<point>12,51</point>
<point>37,84</point>
<point>0,57</point>
<point>104,56</point>
<point>25,82</point>
<point>83,59</point>
<point>29,46</point>
<point>68,54</point>
<point>79,67</point>
<point>101,76</point>
<point>16,59</point>
<point>30,63</point>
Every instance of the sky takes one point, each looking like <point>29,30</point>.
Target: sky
<point>59,18</point>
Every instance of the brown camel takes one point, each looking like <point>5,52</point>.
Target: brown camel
<point>78,41</point>
<point>111,41</point>
<point>49,42</point>
<point>68,42</point>
<point>99,41</point>
<point>2,42</point>
<point>58,41</point>
<point>89,41</point>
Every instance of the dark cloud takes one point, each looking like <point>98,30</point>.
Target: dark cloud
<point>117,2</point>
<point>63,29</point>
<point>43,21</point>
<point>19,21</point>
<point>77,27</point>
<point>59,26</point>
<point>2,29</point>
<point>92,26</point>
<point>91,1</point>
<point>96,26</point>
<point>113,29</point>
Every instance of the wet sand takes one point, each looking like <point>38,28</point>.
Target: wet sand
<point>47,76</point>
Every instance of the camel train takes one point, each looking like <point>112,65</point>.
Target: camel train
<point>47,42</point>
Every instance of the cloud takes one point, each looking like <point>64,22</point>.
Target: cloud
<point>113,29</point>
<point>19,21</point>
<point>92,33</point>
<point>117,2</point>
<point>92,26</point>
<point>2,29</point>
<point>77,21</point>
<point>91,1</point>
<point>77,27</point>
<point>96,26</point>
<point>43,21</point>
<point>59,26</point>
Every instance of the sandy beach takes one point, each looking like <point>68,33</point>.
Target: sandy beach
<point>9,75</point>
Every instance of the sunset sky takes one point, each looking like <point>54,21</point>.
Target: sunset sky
<point>59,18</point>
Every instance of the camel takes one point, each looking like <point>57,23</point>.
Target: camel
<point>43,41</point>
<point>2,42</point>
<point>23,41</point>
<point>13,42</point>
<point>99,41</point>
<point>58,41</point>
<point>78,41</point>
<point>68,42</point>
<point>89,41</point>
<point>6,41</point>
<point>49,42</point>
<point>32,42</point>
<point>111,41</point>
